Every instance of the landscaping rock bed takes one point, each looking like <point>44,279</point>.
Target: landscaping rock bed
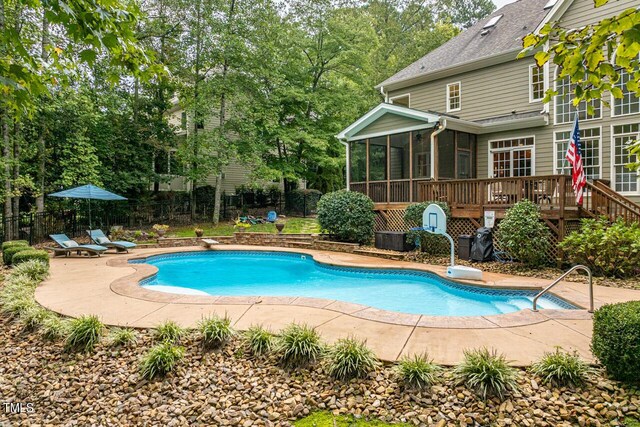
<point>227,387</point>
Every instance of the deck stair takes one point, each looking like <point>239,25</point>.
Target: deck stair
<point>601,200</point>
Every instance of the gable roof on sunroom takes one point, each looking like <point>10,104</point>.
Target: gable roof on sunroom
<point>388,118</point>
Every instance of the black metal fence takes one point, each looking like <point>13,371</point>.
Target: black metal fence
<point>36,227</point>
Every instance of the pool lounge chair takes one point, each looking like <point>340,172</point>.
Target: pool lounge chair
<point>67,246</point>
<point>99,238</point>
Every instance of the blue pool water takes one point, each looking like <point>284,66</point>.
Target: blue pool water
<point>242,273</point>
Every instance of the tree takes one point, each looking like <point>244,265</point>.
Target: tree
<point>594,56</point>
<point>465,13</point>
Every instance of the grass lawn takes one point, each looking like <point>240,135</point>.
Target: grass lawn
<point>292,226</point>
<point>326,419</point>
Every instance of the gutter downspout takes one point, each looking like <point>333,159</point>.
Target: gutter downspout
<point>348,174</point>
<point>386,97</point>
<point>441,128</point>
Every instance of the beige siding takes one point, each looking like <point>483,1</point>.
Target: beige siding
<point>488,92</point>
<point>389,123</point>
<point>582,12</point>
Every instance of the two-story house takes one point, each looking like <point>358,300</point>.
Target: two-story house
<point>466,124</point>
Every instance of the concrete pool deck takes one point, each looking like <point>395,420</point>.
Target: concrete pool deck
<point>108,287</point>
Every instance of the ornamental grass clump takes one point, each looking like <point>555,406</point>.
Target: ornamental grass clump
<point>215,331</point>
<point>350,358</point>
<point>486,373</point>
<point>84,333</point>
<point>14,304</point>
<point>258,340</point>
<point>169,331</point>
<point>122,337</point>
<point>160,360</point>
<point>299,345</point>
<point>33,317</point>
<point>35,270</point>
<point>418,372</point>
<point>54,328</point>
<point>561,369</point>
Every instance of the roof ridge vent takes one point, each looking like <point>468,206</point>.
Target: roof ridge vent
<point>492,22</point>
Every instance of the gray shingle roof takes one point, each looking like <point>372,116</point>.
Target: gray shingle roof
<point>520,18</point>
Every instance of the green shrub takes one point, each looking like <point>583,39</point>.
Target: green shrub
<point>34,317</point>
<point>258,340</point>
<point>53,328</point>
<point>616,339</point>
<point>215,331</point>
<point>429,242</point>
<point>347,215</point>
<point>299,345</point>
<point>17,303</point>
<point>350,358</point>
<point>160,360</point>
<point>523,234</point>
<point>30,255</point>
<point>607,249</point>
<point>123,337</point>
<point>418,371</point>
<point>562,369</point>
<point>13,243</point>
<point>169,331</point>
<point>84,333</point>
<point>486,373</point>
<point>7,254</point>
<point>34,269</point>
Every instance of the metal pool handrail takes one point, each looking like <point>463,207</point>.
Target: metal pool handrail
<point>555,282</point>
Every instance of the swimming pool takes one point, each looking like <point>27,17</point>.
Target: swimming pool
<point>257,273</point>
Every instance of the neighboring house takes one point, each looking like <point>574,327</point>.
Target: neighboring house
<point>466,124</point>
<point>234,174</point>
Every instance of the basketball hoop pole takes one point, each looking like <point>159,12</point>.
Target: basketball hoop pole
<point>453,257</point>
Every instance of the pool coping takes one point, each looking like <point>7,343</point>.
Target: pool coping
<point>129,286</point>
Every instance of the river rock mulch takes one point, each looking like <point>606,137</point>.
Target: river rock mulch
<point>229,388</point>
<point>518,269</point>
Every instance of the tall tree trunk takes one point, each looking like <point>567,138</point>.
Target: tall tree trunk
<point>197,116</point>
<point>42,144</point>
<point>15,202</point>
<point>223,107</point>
<point>6,155</point>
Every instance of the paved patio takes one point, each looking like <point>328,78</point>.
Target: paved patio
<point>108,287</point>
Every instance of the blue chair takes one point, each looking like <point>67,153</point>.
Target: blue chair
<point>68,246</point>
<point>98,237</point>
<point>272,216</point>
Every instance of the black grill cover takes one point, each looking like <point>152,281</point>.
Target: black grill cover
<point>482,249</point>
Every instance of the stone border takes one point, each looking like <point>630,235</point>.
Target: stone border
<point>129,286</point>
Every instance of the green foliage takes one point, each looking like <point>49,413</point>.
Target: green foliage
<point>607,249</point>
<point>327,419</point>
<point>160,360</point>
<point>418,372</point>
<point>84,333</point>
<point>299,345</point>
<point>215,331</point>
<point>168,331</point>
<point>123,337</point>
<point>350,358</point>
<point>486,373</point>
<point>303,201</point>
<point>616,339</point>
<point>429,242</point>
<point>12,243</point>
<point>34,269</point>
<point>466,12</point>
<point>259,340</point>
<point>53,328</point>
<point>523,235</point>
<point>8,253</point>
<point>38,255</point>
<point>347,215</point>
<point>561,369</point>
<point>33,317</point>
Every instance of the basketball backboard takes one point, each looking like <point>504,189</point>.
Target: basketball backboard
<point>434,220</point>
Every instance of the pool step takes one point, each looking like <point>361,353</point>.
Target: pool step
<point>381,254</point>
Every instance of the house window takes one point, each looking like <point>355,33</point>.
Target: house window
<point>454,101</point>
<point>629,103</point>
<point>402,100</point>
<point>590,145</point>
<point>536,83</point>
<point>512,157</point>
<point>564,108</point>
<point>358,161</point>
<point>625,179</point>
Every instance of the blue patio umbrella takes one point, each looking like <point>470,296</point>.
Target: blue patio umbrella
<point>88,192</point>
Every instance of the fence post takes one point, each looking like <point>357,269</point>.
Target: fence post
<point>304,206</point>
<point>31,223</point>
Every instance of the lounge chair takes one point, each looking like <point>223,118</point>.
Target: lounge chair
<point>272,216</point>
<point>67,246</point>
<point>98,237</point>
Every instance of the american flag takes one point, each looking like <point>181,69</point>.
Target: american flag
<point>574,156</point>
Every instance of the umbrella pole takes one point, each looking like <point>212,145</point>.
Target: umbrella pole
<point>90,228</point>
